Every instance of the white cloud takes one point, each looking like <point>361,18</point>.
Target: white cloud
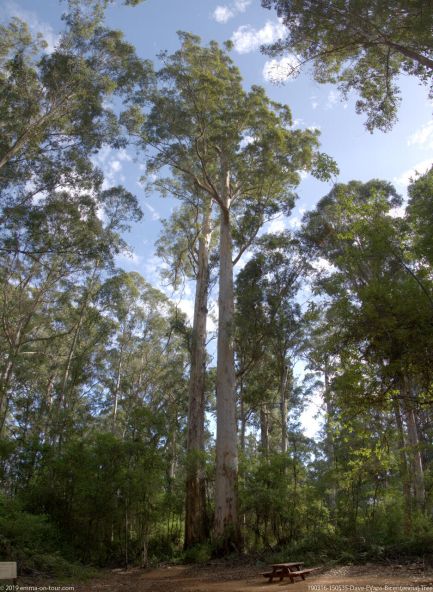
<point>281,70</point>
<point>242,5</point>
<point>152,271</point>
<point>129,257</point>
<point>245,257</point>
<point>154,213</point>
<point>314,102</point>
<point>295,222</point>
<point>312,417</point>
<point>332,99</point>
<point>247,39</point>
<point>422,137</point>
<point>153,265</point>
<point>115,166</point>
<point>222,14</point>
<point>419,169</point>
<point>397,212</point>
<point>321,264</point>
<point>187,306</point>
<point>109,161</point>
<point>35,25</point>
<point>122,154</point>
<point>276,226</point>
<point>246,140</point>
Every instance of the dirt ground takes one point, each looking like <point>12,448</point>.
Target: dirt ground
<point>228,578</point>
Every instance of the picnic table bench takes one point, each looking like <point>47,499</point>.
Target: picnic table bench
<point>290,570</point>
<point>282,570</point>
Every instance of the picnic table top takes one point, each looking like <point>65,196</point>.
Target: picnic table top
<point>291,564</point>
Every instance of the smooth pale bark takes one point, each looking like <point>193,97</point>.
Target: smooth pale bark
<point>16,341</point>
<point>7,373</point>
<point>404,468</point>
<point>417,469</point>
<point>417,465</point>
<point>329,441</point>
<point>117,390</point>
<point>226,527</point>
<point>264,429</point>
<point>4,385</point>
<point>145,550</point>
<point>243,417</point>
<point>173,457</point>
<point>284,404</point>
<point>196,527</point>
<point>76,335</point>
<point>411,53</point>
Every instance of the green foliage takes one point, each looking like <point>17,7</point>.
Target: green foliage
<point>201,116</point>
<point>94,361</point>
<point>361,45</point>
<point>198,554</point>
<point>23,532</point>
<point>36,544</point>
<point>420,212</point>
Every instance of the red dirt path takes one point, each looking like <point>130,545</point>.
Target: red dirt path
<point>229,578</point>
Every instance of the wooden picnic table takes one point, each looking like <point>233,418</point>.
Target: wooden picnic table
<point>283,570</point>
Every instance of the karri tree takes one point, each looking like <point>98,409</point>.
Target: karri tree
<point>362,45</point>
<point>239,150</point>
<point>269,327</point>
<point>57,105</point>
<point>54,114</point>
<point>185,245</point>
<point>381,304</point>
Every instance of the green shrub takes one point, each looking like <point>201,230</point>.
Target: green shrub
<point>198,554</point>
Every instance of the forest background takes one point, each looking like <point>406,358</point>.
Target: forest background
<point>333,305</point>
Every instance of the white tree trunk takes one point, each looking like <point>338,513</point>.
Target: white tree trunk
<point>404,468</point>
<point>329,441</point>
<point>284,404</point>
<point>413,441</point>
<point>226,512</point>
<point>195,502</point>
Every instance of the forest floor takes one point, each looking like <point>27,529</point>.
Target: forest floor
<point>243,578</point>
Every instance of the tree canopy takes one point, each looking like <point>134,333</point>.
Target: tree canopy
<point>360,45</point>
<point>110,395</point>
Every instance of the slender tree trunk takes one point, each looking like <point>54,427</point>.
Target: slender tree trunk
<point>329,443</point>
<point>417,465</point>
<point>411,53</point>
<point>126,535</point>
<point>264,430</point>
<point>227,532</point>
<point>417,469</point>
<point>145,551</point>
<point>76,335</point>
<point>4,386</point>
<point>196,528</point>
<point>404,469</point>
<point>284,404</point>
<point>243,417</point>
<point>171,474</point>
<point>117,390</point>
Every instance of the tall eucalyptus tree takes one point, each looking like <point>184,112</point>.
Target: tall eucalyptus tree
<point>239,150</point>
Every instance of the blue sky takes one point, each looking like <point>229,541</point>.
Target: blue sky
<point>152,27</point>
